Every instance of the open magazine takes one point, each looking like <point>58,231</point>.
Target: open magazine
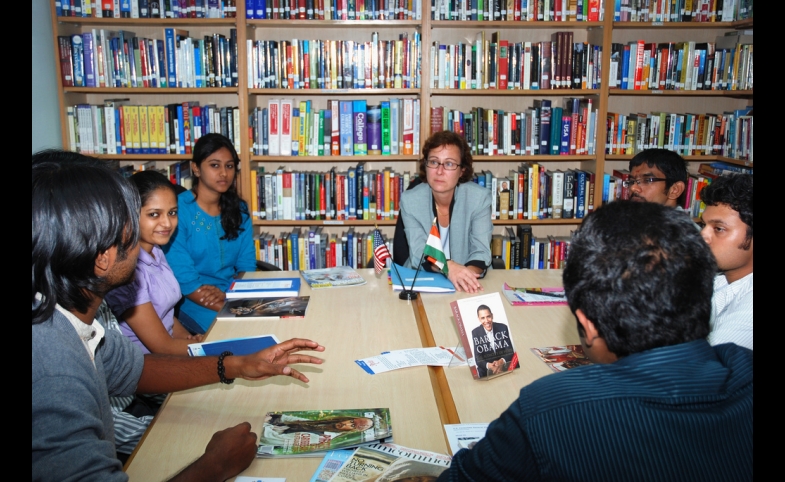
<point>561,358</point>
<point>391,462</point>
<point>313,431</point>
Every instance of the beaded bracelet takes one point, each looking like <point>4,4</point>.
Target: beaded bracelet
<point>222,370</point>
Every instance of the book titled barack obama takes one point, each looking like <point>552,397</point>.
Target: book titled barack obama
<point>311,433</point>
<point>485,334</point>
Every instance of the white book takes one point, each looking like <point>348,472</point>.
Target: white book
<point>557,193</point>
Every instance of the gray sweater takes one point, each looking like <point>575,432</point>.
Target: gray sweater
<point>73,433</point>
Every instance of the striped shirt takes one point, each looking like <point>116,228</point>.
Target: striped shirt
<point>731,312</point>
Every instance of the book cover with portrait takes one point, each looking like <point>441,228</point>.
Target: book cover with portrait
<point>485,334</point>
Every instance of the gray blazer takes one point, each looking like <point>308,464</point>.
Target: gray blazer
<point>470,223</point>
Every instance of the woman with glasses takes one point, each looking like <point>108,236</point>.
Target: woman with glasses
<point>461,210</point>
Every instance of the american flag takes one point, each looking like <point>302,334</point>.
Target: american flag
<point>380,251</point>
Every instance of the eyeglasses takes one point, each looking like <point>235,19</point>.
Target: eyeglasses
<point>644,181</point>
<point>447,165</point>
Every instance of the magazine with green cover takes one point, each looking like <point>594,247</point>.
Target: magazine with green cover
<point>305,432</point>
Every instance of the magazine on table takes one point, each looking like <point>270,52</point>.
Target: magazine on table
<point>263,288</point>
<point>534,296</point>
<point>485,335</point>
<point>331,464</point>
<point>291,307</point>
<point>316,431</point>
<point>561,358</point>
<point>391,462</point>
<point>332,277</point>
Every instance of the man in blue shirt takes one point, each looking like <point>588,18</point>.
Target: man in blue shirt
<point>659,403</point>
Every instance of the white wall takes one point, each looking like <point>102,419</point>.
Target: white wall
<point>46,116</point>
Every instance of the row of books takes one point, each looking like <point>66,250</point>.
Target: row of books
<point>533,192</point>
<point>518,10</point>
<point>539,130</point>
<point>334,9</point>
<point>313,248</point>
<point>335,64</point>
<point>116,127</point>
<point>344,128</point>
<point>680,66</point>
<point>519,249</point>
<point>146,8</point>
<point>506,65</point>
<point>681,10</point>
<point>356,193</point>
<point>100,58</point>
<point>729,134</point>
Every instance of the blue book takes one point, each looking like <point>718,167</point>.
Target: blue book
<point>359,108</point>
<point>427,282</point>
<point>352,182</point>
<point>181,130</point>
<point>346,127</point>
<point>250,9</point>
<point>198,64</point>
<point>89,60</point>
<point>171,63</point>
<point>564,146</point>
<point>625,67</point>
<point>238,346</point>
<point>580,181</point>
<point>77,55</point>
<point>555,142</point>
<point>261,9</point>
<point>263,288</point>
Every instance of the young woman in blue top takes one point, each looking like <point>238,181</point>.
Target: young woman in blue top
<point>213,242</point>
<point>145,307</point>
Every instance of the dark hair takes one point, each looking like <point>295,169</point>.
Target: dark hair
<point>483,307</point>
<point>80,208</point>
<point>147,182</point>
<point>736,192</point>
<point>232,206</point>
<point>670,163</point>
<point>643,276</point>
<point>448,138</point>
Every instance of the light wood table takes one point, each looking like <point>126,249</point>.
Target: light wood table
<point>474,401</point>
<point>352,323</point>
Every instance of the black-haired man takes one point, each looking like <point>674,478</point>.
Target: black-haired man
<point>660,403</point>
<point>728,232</point>
<point>658,176</point>
<point>85,242</point>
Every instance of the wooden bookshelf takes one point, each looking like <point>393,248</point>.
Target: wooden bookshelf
<point>605,99</point>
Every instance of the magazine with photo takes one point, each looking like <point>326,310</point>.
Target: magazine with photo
<point>561,358</point>
<point>292,307</point>
<point>331,464</point>
<point>390,463</point>
<point>313,431</point>
<point>332,277</point>
<point>485,334</point>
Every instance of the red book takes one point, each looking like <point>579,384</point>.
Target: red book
<point>594,10</point>
<point>503,64</point>
<point>300,10</point>
<point>379,196</point>
<point>121,121</point>
<point>307,69</point>
<point>186,128</point>
<point>289,66</point>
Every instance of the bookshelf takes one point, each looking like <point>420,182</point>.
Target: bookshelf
<point>245,98</point>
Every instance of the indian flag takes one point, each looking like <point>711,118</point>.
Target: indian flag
<point>433,249</point>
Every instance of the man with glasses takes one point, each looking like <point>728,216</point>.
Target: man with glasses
<point>658,176</point>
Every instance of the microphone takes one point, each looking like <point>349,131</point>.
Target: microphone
<point>410,294</point>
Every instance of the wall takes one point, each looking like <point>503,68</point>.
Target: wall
<point>46,129</point>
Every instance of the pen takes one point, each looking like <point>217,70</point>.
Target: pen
<point>552,294</point>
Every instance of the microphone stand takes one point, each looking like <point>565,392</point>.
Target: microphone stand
<point>410,294</point>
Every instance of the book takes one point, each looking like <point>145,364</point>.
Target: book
<point>238,346</point>
<point>427,282</point>
<point>273,307</point>
<point>485,335</point>
<point>332,277</point>
<point>530,297</point>
<point>561,358</point>
<point>390,462</point>
<point>312,432</point>
<point>263,288</point>
<point>331,464</point>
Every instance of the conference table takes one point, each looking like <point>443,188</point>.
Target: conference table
<point>354,323</point>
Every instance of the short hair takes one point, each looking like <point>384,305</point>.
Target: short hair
<point>448,138</point>
<point>643,276</point>
<point>232,206</point>
<point>80,208</point>
<point>147,182</point>
<point>670,163</point>
<point>483,307</point>
<point>736,192</point>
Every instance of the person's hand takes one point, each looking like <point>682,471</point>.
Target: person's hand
<point>210,297</point>
<point>196,338</point>
<point>496,367</point>
<point>231,450</point>
<point>464,278</point>
<point>273,361</point>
